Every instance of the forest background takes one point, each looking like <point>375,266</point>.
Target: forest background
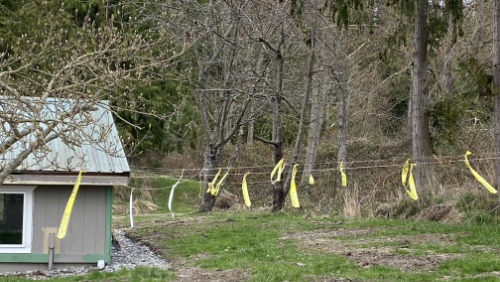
<point>367,84</point>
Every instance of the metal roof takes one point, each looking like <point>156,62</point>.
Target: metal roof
<point>93,155</point>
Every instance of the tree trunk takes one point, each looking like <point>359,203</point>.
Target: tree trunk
<point>342,100</point>
<point>277,149</point>
<point>250,124</point>
<point>496,87</point>
<point>210,168</point>
<point>317,110</point>
<point>420,126</point>
<point>305,102</point>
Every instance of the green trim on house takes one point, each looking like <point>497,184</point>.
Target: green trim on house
<point>93,258</point>
<point>44,258</point>
<point>109,214</point>
<point>26,257</point>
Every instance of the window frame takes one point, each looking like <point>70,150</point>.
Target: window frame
<point>28,202</point>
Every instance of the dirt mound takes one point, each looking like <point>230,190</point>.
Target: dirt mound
<point>226,200</point>
<point>435,213</point>
<point>443,213</point>
<point>238,207</point>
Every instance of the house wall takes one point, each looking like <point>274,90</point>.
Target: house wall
<point>88,238</point>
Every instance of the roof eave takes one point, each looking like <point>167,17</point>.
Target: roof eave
<point>54,178</point>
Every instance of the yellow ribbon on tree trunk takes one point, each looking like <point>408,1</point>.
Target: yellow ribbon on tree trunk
<point>344,177</point>
<point>63,226</point>
<point>478,177</point>
<point>211,188</point>
<point>217,187</point>
<point>293,190</point>
<point>244,189</point>
<point>412,191</point>
<point>277,169</point>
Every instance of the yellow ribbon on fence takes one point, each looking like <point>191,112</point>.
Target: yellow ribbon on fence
<point>63,226</point>
<point>244,188</point>
<point>411,183</point>
<point>217,187</point>
<point>211,184</point>
<point>412,191</point>
<point>293,190</point>
<point>344,177</point>
<point>278,168</point>
<point>311,179</point>
<point>478,177</point>
<point>404,174</point>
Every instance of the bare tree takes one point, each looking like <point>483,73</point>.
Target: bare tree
<point>79,70</point>
<point>318,100</point>
<point>496,87</point>
<point>419,99</point>
<point>340,78</point>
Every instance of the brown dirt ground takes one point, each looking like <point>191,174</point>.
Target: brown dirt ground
<point>188,273</point>
<point>377,255</point>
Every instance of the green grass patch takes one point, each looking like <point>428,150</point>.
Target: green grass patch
<point>186,194</point>
<point>249,240</point>
<point>157,191</point>
<point>140,273</point>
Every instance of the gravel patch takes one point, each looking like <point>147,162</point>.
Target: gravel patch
<point>132,254</point>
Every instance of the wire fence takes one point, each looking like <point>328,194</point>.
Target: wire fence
<point>370,183</point>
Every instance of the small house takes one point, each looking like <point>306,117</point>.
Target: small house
<point>34,196</point>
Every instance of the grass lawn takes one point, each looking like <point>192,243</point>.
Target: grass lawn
<point>142,273</point>
<point>292,247</point>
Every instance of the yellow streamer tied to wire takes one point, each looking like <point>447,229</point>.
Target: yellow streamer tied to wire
<point>217,187</point>
<point>278,168</point>
<point>293,190</point>
<point>244,188</point>
<point>404,174</point>
<point>211,188</point>
<point>344,177</point>
<point>412,191</point>
<point>311,179</point>
<point>411,183</point>
<point>478,177</point>
<point>69,207</point>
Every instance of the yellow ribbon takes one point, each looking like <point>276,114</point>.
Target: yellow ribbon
<point>478,177</point>
<point>211,184</point>
<point>278,168</point>
<point>293,190</point>
<point>69,207</point>
<point>311,179</point>
<point>404,174</point>
<point>344,177</point>
<point>244,188</point>
<point>217,187</point>
<point>412,192</point>
<point>411,183</point>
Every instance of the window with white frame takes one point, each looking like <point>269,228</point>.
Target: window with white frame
<point>16,219</point>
